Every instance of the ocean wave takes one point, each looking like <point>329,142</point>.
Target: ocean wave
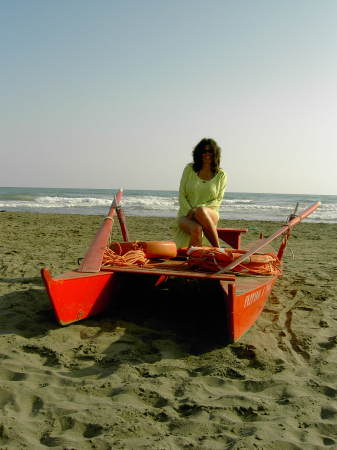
<point>236,201</point>
<point>255,206</point>
<point>57,202</point>
<point>72,202</point>
<point>129,203</point>
<point>163,204</point>
<point>150,203</point>
<point>328,206</point>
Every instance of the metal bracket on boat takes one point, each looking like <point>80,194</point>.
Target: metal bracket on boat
<point>293,215</point>
<point>287,234</point>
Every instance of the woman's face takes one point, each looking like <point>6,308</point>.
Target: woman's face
<point>207,156</point>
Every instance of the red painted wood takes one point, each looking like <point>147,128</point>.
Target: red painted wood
<point>231,236</point>
<point>76,295</point>
<point>79,297</point>
<point>122,224</point>
<point>170,271</point>
<point>245,308</point>
<point>93,258</point>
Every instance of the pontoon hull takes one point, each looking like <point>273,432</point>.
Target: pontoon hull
<point>75,296</point>
<point>246,300</point>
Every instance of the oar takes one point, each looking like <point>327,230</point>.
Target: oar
<point>263,242</point>
<point>93,258</point>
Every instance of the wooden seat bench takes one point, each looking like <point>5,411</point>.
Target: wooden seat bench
<point>231,236</point>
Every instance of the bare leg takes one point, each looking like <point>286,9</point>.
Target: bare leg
<point>193,228</point>
<point>208,219</point>
<point>204,220</point>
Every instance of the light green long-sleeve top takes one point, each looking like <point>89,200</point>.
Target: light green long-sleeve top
<point>194,192</point>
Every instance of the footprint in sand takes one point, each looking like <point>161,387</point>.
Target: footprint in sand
<point>244,351</point>
<point>9,375</point>
<point>37,406</point>
<point>152,398</point>
<point>50,441</point>
<point>7,399</point>
<point>52,358</point>
<point>328,413</point>
<point>67,423</point>
<point>92,430</point>
<point>332,342</point>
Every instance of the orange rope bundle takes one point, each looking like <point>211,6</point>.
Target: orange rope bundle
<point>266,264</point>
<point>208,258</point>
<point>215,259</point>
<point>132,257</point>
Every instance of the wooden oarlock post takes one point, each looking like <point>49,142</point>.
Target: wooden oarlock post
<point>122,223</point>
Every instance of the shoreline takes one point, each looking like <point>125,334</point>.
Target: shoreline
<point>148,378</point>
<point>173,216</point>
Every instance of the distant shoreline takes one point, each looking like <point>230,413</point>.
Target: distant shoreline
<point>222,222</point>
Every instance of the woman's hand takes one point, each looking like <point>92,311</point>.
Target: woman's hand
<point>190,214</point>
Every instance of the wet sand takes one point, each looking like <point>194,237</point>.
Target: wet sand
<point>153,374</point>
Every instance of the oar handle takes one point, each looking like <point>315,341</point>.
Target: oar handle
<point>303,215</point>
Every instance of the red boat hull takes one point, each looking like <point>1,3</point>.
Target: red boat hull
<point>76,296</point>
<point>246,300</point>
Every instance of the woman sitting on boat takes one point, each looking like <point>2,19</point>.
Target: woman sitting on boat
<point>201,191</point>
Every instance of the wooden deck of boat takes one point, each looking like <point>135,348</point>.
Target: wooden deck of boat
<point>170,268</point>
<point>173,268</point>
<point>247,283</point>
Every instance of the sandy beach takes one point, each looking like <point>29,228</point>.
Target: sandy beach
<point>152,375</point>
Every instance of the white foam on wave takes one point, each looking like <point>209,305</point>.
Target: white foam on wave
<point>167,206</point>
<point>328,206</point>
<point>57,202</point>
<point>255,206</point>
<point>325,213</point>
<point>236,201</point>
<point>72,202</point>
<point>150,203</point>
<point>128,202</point>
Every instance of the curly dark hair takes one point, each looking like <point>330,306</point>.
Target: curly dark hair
<point>199,149</point>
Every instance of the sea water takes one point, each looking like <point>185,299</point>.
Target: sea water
<point>236,205</point>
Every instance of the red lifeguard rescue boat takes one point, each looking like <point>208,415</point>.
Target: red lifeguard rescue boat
<point>89,290</point>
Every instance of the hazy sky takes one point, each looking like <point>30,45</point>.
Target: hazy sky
<point>103,94</point>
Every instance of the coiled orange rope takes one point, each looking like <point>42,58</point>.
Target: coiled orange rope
<point>132,257</point>
<point>265,264</point>
<point>214,259</point>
